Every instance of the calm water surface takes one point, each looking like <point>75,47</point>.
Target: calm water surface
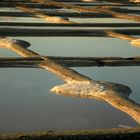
<point>26,103</point>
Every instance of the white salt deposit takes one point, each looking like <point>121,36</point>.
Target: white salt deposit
<point>81,89</point>
<point>135,43</point>
<point>6,42</point>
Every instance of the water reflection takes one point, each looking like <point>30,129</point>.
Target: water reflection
<point>26,104</point>
<point>79,85</point>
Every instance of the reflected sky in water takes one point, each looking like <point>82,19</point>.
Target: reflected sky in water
<point>26,103</point>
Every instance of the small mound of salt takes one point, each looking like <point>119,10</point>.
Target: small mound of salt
<point>135,43</point>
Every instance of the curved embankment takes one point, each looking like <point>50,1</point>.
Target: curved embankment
<point>79,85</point>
